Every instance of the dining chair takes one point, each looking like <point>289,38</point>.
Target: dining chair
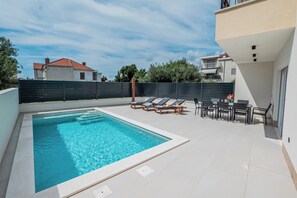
<point>261,111</point>
<point>240,109</point>
<point>197,105</point>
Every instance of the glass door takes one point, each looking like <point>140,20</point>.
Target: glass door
<point>282,99</point>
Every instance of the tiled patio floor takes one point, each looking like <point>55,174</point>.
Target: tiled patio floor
<point>222,159</point>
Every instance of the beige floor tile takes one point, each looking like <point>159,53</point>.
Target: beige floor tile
<point>220,184</point>
<point>262,183</point>
<point>267,154</point>
<point>167,185</point>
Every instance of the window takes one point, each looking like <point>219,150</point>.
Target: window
<point>82,75</point>
<point>95,76</point>
<point>233,71</point>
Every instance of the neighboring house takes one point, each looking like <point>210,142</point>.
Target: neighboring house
<point>219,68</point>
<point>261,37</point>
<point>65,69</point>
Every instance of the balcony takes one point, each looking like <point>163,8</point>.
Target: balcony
<point>211,65</point>
<point>229,3</point>
<point>265,23</point>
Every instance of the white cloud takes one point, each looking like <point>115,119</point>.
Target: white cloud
<point>109,34</point>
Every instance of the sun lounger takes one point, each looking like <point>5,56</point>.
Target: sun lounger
<point>151,105</point>
<point>135,104</point>
<point>176,106</point>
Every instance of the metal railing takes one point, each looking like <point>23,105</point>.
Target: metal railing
<point>229,3</point>
<point>211,65</point>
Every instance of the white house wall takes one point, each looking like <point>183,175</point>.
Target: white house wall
<point>99,77</point>
<point>88,75</point>
<point>38,74</point>
<point>59,73</point>
<point>227,66</point>
<point>254,83</point>
<point>280,63</point>
<point>290,115</point>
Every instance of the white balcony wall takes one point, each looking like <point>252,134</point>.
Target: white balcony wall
<point>9,105</point>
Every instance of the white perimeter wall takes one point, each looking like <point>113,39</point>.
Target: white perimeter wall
<point>290,117</point>
<point>59,105</point>
<point>9,111</point>
<point>254,83</point>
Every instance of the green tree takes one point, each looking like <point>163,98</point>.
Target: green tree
<point>126,73</point>
<point>8,63</point>
<point>140,74</point>
<point>104,79</point>
<point>173,71</point>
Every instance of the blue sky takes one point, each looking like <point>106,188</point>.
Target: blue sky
<point>108,34</point>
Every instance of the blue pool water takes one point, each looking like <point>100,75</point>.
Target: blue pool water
<point>70,144</point>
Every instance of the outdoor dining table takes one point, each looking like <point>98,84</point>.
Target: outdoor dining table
<point>249,107</point>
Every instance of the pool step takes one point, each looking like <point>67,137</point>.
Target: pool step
<point>90,121</point>
<point>90,116</point>
<point>49,117</point>
<point>92,112</point>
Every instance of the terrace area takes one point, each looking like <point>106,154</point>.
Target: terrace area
<point>222,159</point>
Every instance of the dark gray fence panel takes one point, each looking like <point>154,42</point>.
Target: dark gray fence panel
<point>110,90</point>
<point>40,91</point>
<point>80,90</point>
<point>189,91</point>
<point>217,90</point>
<point>127,89</point>
<point>147,89</point>
<point>167,90</point>
<point>139,89</point>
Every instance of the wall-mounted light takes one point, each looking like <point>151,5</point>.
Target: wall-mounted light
<point>254,55</point>
<point>253,47</point>
<point>255,60</point>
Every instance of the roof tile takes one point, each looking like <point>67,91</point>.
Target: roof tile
<point>64,62</point>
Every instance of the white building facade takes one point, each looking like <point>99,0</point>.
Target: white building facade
<point>220,68</point>
<point>261,37</point>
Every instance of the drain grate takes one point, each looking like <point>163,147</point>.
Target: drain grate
<point>145,171</point>
<point>102,192</point>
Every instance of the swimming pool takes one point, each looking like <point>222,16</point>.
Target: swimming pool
<point>22,181</point>
<point>70,144</point>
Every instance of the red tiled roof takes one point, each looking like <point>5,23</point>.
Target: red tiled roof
<point>64,62</point>
<point>37,66</point>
